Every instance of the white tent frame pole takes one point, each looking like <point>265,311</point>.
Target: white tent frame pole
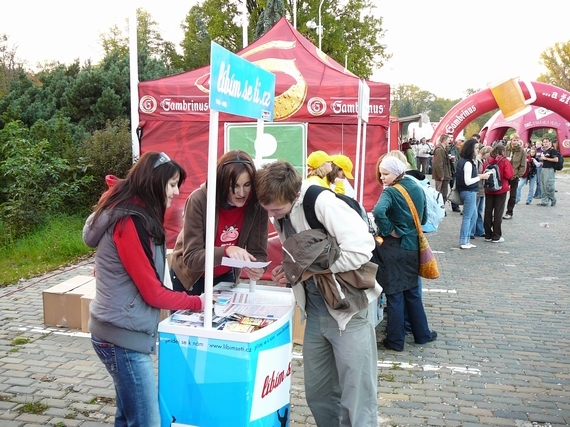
<point>362,167</point>
<point>357,178</point>
<point>134,82</point>
<point>210,222</point>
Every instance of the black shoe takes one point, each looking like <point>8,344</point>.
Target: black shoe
<point>388,346</point>
<point>553,203</point>
<point>433,338</point>
<point>456,210</point>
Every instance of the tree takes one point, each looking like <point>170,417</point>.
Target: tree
<point>410,99</point>
<point>351,32</point>
<point>150,45</point>
<point>556,59</point>
<point>213,20</point>
<point>10,67</point>
<point>272,13</point>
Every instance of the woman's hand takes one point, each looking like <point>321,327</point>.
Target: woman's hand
<point>235,252</point>
<point>278,276</point>
<point>254,273</point>
<point>484,175</point>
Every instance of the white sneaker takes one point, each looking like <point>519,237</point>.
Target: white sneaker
<point>501,240</point>
<point>467,246</point>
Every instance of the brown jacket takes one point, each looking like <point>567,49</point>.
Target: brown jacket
<point>518,160</point>
<point>311,253</point>
<point>189,254</point>
<point>441,165</point>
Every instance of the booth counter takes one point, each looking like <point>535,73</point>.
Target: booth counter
<point>217,378</point>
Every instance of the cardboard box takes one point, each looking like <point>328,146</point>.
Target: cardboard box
<point>85,301</point>
<point>298,328</point>
<point>62,302</point>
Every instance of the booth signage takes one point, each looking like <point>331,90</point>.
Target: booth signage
<point>239,87</point>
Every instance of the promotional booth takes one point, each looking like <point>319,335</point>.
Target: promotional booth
<point>212,378</point>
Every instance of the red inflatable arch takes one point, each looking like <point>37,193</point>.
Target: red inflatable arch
<point>548,96</point>
<point>537,118</point>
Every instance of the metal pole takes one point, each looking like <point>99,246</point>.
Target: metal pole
<point>134,82</point>
<point>320,26</point>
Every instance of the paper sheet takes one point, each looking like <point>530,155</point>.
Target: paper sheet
<point>230,262</point>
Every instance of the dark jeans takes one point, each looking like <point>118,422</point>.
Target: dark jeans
<point>494,208</point>
<point>514,183</point>
<point>414,308</point>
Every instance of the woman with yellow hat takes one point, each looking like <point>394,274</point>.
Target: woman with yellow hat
<point>340,174</point>
<point>320,165</point>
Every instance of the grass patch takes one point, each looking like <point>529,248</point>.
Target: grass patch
<point>58,243</point>
<point>33,408</point>
<point>20,341</point>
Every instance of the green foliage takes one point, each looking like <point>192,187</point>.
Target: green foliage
<point>10,67</point>
<point>213,20</point>
<point>107,152</point>
<point>272,13</point>
<point>350,31</point>
<point>408,100</point>
<point>33,408</point>
<point>19,341</point>
<point>556,59</point>
<point>153,51</point>
<point>57,243</point>
<point>196,43</point>
<point>36,183</point>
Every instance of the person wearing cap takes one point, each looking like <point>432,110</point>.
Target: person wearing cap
<point>340,174</point>
<point>320,165</point>
<point>400,254</point>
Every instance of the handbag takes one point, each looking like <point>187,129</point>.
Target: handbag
<point>428,265</point>
<point>454,196</point>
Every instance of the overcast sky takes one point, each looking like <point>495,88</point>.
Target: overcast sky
<point>442,46</point>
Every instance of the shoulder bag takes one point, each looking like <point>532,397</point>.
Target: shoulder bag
<point>428,264</point>
<point>454,196</point>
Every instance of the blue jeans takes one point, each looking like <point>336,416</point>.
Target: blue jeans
<point>414,308</point>
<point>477,228</point>
<point>135,384</point>
<point>531,184</point>
<point>538,192</point>
<point>469,215</point>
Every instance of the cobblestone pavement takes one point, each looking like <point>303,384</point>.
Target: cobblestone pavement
<point>502,357</point>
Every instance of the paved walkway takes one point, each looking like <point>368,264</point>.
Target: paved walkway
<point>502,357</point>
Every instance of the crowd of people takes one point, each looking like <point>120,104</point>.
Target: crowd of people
<point>340,344</point>
<point>529,163</point>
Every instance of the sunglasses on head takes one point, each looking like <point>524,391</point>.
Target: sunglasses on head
<point>162,159</point>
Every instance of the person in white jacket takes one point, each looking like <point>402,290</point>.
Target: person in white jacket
<point>339,348</point>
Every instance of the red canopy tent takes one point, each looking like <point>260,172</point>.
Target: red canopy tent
<point>310,88</point>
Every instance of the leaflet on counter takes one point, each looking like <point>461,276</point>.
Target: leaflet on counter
<point>230,262</point>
